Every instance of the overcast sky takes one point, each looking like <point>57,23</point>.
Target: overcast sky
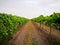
<point>29,8</point>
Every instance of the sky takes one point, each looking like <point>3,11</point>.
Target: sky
<point>29,8</point>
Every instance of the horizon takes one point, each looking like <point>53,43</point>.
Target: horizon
<point>29,8</point>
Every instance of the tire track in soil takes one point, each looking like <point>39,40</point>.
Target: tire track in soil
<point>20,35</point>
<point>32,31</point>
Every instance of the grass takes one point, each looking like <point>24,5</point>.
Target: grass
<point>34,42</point>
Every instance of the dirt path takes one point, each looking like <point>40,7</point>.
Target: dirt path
<point>29,34</point>
<point>54,38</point>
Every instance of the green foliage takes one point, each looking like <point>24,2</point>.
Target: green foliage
<point>8,25</point>
<point>53,19</point>
<point>39,19</point>
<point>34,42</point>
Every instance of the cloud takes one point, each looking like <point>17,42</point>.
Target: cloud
<point>30,8</point>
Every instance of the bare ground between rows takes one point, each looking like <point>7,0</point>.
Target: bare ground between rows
<point>53,39</point>
<point>37,34</point>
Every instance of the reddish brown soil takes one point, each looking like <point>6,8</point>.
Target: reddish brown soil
<point>55,34</point>
<point>32,30</point>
